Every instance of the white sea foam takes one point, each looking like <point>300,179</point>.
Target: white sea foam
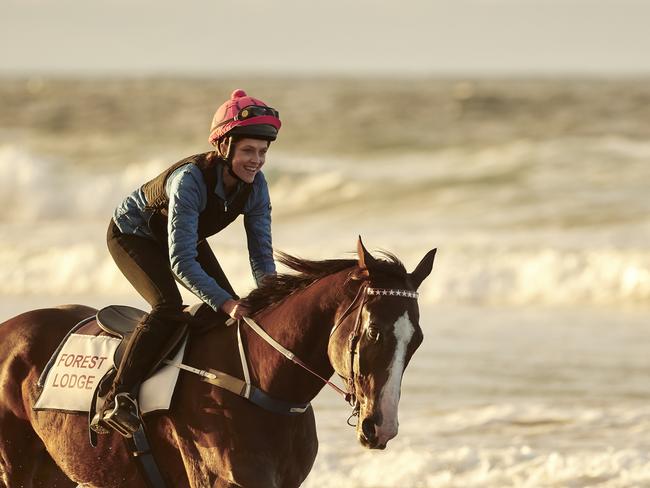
<point>37,189</point>
<point>510,445</point>
<point>507,398</point>
<point>469,466</point>
<point>515,277</point>
<point>498,243</point>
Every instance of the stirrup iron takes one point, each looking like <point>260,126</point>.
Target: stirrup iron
<point>124,417</point>
<point>98,427</point>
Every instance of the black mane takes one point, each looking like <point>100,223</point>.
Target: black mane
<point>276,288</point>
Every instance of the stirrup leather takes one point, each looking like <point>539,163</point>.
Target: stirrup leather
<point>124,417</point>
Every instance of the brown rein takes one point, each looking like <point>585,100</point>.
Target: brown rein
<point>362,294</point>
<point>243,388</point>
<point>347,395</point>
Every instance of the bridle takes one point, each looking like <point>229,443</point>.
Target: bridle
<point>359,301</point>
<point>361,296</point>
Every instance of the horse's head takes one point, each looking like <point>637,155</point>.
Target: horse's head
<point>378,341</point>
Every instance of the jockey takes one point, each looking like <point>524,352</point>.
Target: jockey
<point>157,236</point>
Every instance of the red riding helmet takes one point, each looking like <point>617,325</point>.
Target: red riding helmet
<point>244,116</point>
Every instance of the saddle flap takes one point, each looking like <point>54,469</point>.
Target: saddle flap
<point>119,320</point>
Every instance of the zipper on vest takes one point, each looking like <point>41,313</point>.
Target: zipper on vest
<point>225,205</point>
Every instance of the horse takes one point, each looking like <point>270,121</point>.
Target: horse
<point>356,317</point>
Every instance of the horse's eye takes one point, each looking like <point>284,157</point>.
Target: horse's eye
<point>373,333</point>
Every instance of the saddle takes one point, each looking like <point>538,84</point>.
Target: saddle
<point>120,321</point>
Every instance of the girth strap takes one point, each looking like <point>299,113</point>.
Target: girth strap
<point>246,390</point>
<point>255,395</point>
<point>217,378</point>
<point>141,450</point>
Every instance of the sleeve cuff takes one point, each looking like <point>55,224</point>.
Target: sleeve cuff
<point>216,302</point>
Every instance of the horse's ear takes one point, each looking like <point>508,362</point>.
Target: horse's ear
<point>365,258</point>
<point>423,269</point>
<point>360,274</point>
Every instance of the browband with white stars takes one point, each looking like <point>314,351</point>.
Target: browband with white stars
<point>392,293</point>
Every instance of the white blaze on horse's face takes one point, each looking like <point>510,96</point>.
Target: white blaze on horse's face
<point>390,393</point>
<point>378,419</point>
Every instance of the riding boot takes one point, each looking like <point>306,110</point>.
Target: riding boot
<point>149,342</point>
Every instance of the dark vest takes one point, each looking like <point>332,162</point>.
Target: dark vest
<point>216,215</point>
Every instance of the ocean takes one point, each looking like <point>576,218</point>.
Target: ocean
<point>534,369</point>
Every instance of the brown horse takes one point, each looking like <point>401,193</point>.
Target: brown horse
<point>359,318</point>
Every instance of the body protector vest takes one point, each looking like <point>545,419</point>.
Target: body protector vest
<point>217,214</point>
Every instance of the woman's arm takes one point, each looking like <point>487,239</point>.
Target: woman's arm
<point>187,198</point>
<point>257,221</point>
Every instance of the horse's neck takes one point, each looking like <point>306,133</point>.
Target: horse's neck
<point>301,323</point>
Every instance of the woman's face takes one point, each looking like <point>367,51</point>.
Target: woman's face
<point>249,158</point>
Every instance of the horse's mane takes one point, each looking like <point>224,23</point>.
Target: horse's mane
<point>276,288</point>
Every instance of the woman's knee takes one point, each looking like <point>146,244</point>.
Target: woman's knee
<point>167,311</point>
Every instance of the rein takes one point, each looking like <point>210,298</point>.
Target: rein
<point>351,396</point>
<point>364,291</point>
<point>247,390</point>
<point>288,354</point>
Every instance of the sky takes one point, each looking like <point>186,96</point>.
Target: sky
<point>412,37</point>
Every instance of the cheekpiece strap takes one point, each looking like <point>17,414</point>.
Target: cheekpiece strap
<point>392,292</point>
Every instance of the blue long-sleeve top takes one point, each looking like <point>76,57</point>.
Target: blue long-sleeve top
<point>187,194</point>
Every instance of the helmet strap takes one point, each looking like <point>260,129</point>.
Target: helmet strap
<point>227,156</point>
<point>232,173</point>
<point>224,154</point>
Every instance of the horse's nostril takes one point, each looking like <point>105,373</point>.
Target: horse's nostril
<point>368,428</point>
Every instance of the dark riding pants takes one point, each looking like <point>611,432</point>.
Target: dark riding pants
<point>145,263</point>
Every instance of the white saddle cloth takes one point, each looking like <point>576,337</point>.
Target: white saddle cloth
<point>81,364</point>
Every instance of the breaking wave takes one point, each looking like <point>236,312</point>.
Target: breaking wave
<point>500,240</point>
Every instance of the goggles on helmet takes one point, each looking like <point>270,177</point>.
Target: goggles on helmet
<point>256,111</point>
<point>252,111</point>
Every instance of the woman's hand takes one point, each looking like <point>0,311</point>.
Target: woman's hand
<point>235,308</point>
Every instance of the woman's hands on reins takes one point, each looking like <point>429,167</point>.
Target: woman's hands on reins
<point>235,308</point>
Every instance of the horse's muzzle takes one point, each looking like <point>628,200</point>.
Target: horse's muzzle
<point>368,435</point>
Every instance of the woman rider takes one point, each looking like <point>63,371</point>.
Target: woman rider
<point>158,236</point>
